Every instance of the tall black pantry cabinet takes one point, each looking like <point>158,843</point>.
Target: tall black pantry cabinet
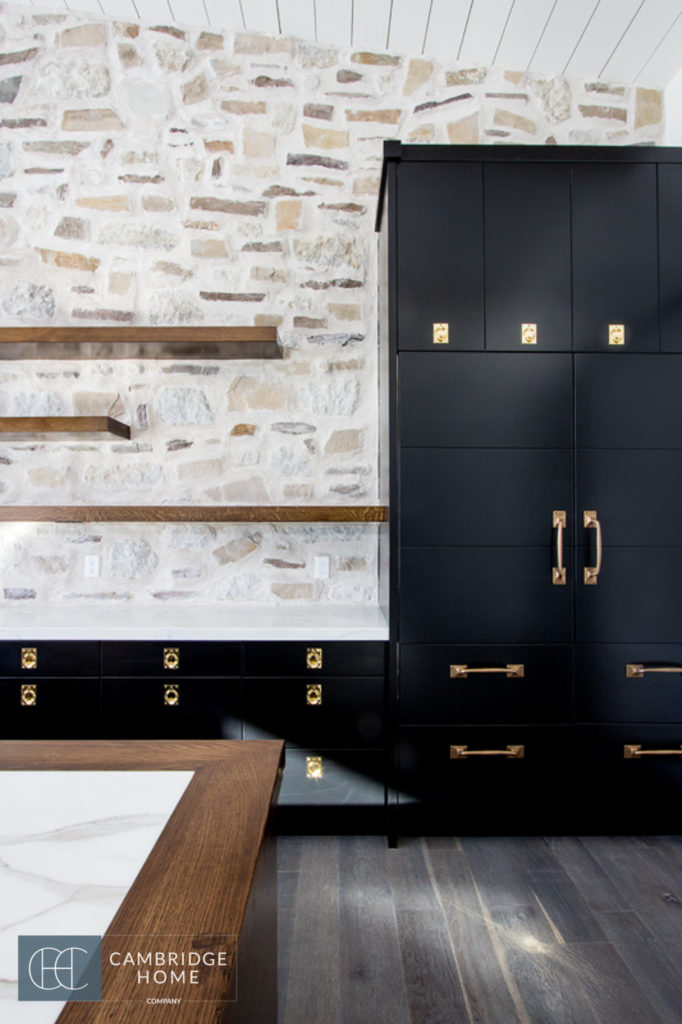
<point>532,301</point>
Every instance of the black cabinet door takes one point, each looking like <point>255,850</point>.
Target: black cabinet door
<point>527,255</point>
<point>440,254</point>
<point>615,255</point>
<point>670,255</point>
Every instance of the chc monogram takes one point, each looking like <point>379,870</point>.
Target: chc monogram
<point>59,968</point>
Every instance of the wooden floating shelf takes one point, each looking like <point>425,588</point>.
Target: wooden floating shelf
<point>194,513</point>
<point>139,343</point>
<point>74,427</point>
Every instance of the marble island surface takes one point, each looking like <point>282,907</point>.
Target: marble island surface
<point>200,622</point>
<point>71,845</point>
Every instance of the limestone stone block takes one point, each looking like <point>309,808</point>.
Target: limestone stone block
<point>83,35</point>
<point>268,274</point>
<point>117,315</point>
<point>327,252</point>
<point>9,89</point>
<point>345,77</point>
<point>98,120</point>
<point>72,227</point>
<point>138,236</point>
<point>36,403</point>
<point>171,56</point>
<point>648,107</point>
<point>120,283</point>
<point>252,490</point>
<point>380,59</point>
<point>324,138</point>
<point>191,536</point>
<point>180,406</point>
<point>114,204</point>
<point>345,310</point>
<point>423,133</point>
<point>298,492</point>
<point>30,300</point>
<point>334,397</point>
<point>257,43</point>
<point>157,204</point>
<point>210,41</point>
<point>391,116</point>
<point>237,549</point>
<point>93,403</point>
<point>293,591</point>
<point>321,111</point>
<point>241,587</point>
<point>200,468</point>
<point>128,56</point>
<point>243,430</point>
<point>19,56</point>
<point>195,91</point>
<point>50,477</point>
<point>354,563</point>
<point>310,55</point>
<point>132,559</point>
<point>280,563</point>
<point>68,260</point>
<point>555,95</point>
<point>219,145</point>
<point>243,106</point>
<point>288,214</point>
<point>465,76</point>
<point>342,441</point>
<point>9,231</point>
<point>242,209</point>
<point>258,145</point>
<point>256,393</point>
<point>418,73</point>
<point>508,119</point>
<point>209,248</point>
<point>607,113</point>
<point>465,131</point>
<point>6,167</point>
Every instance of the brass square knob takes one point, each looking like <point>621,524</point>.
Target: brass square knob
<point>171,694</point>
<point>29,657</point>
<point>29,695</point>
<point>313,768</point>
<point>171,657</point>
<point>441,334</point>
<point>313,694</point>
<point>313,657</point>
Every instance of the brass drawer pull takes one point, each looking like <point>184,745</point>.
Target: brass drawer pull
<point>591,573</point>
<point>510,671</point>
<point>558,570</point>
<point>171,694</point>
<point>529,334</point>
<point>29,657</point>
<point>29,695</point>
<point>313,657</point>
<point>637,671</point>
<point>441,334</point>
<point>314,768</point>
<point>313,694</point>
<point>171,657</point>
<point>516,750</point>
<point>635,750</point>
<point>616,334</point>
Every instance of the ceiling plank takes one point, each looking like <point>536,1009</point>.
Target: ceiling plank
<point>48,3</point>
<point>487,22</point>
<point>370,24</point>
<point>190,12</point>
<point>154,10</point>
<point>408,26</point>
<point>84,6</point>
<point>522,34</point>
<point>601,36</point>
<point>641,39</point>
<point>664,62</point>
<point>446,27</point>
<point>121,9</point>
<point>224,14</point>
<point>261,16</point>
<point>561,35</point>
<point>334,22</point>
<point>297,18</point>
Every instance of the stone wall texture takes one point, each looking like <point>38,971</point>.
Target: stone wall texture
<point>154,174</point>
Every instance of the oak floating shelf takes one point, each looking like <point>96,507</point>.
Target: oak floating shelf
<point>194,513</point>
<point>74,427</point>
<point>139,343</point>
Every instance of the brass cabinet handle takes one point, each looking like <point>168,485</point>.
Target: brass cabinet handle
<point>29,695</point>
<point>171,657</point>
<point>171,694</point>
<point>510,671</point>
<point>516,750</point>
<point>635,750</point>
<point>313,694</point>
<point>29,657</point>
<point>637,671</point>
<point>313,657</point>
<point>314,768</point>
<point>558,570</point>
<point>591,573</point>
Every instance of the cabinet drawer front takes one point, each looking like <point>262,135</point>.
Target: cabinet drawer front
<point>170,658</point>
<point>50,708</point>
<point>482,595</point>
<point>624,683</point>
<point>441,684</point>
<point>484,496</point>
<point>319,777</point>
<point>315,658</point>
<point>486,400</point>
<point>32,658</point>
<point>154,708</point>
<point>480,792</point>
<point>327,712</point>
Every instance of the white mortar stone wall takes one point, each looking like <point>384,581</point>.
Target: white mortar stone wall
<point>166,175</point>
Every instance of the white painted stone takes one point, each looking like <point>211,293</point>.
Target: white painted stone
<point>30,301</point>
<point>132,559</point>
<point>144,98</point>
<point>179,406</point>
<point>72,80</point>
<point>6,165</point>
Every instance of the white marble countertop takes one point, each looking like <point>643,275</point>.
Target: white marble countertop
<point>71,845</point>
<point>326,622</point>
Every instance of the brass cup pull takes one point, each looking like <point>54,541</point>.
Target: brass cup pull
<point>510,671</point>
<point>29,657</point>
<point>558,570</point>
<point>591,573</point>
<point>313,657</point>
<point>171,658</point>
<point>29,695</point>
<point>632,750</point>
<point>515,750</point>
<point>314,768</point>
<point>313,694</point>
<point>637,671</point>
<point>171,694</point>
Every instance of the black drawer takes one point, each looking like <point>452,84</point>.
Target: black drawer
<point>441,684</point>
<point>49,708</point>
<point>33,658</point>
<point>624,683</point>
<point>626,781</point>
<point>332,791</point>
<point>180,708</point>
<point>481,792</point>
<point>315,658</point>
<point>342,711</point>
<point>170,658</point>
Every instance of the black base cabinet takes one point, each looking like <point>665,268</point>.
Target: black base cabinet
<point>531,303</point>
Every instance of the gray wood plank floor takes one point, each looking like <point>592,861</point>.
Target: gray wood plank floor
<point>480,930</point>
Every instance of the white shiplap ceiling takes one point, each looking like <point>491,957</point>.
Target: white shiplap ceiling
<point>624,41</point>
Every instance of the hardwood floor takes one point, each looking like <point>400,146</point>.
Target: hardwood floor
<point>480,931</point>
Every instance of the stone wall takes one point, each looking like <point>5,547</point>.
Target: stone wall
<point>165,175</point>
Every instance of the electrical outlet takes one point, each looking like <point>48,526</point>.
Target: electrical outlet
<point>321,567</point>
<point>91,566</point>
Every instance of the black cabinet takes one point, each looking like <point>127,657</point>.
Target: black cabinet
<point>536,492</point>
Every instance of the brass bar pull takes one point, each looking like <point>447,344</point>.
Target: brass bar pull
<point>558,570</point>
<point>635,750</point>
<point>637,671</point>
<point>516,750</point>
<point>510,671</point>
<point>591,573</point>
